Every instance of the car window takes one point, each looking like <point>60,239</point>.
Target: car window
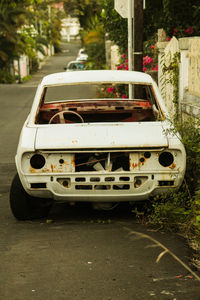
<point>100,103</point>
<point>80,66</point>
<point>72,66</point>
<point>76,66</point>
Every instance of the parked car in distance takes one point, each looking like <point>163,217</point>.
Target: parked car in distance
<point>100,145</point>
<point>75,66</point>
<point>82,55</point>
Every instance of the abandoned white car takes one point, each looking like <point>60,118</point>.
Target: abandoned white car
<point>95,136</point>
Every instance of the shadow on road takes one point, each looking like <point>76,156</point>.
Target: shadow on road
<point>85,212</point>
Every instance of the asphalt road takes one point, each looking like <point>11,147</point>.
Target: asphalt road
<point>77,252</point>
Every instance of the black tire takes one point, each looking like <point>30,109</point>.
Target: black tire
<point>24,206</point>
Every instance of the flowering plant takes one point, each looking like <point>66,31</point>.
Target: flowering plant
<point>117,91</point>
<point>149,64</point>
<point>124,63</point>
<point>181,32</point>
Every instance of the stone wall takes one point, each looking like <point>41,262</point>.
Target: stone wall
<point>167,52</point>
<point>189,74</point>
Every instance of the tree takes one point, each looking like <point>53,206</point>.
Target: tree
<point>25,27</point>
<point>115,26</point>
<point>47,22</point>
<point>92,30</point>
<point>94,42</point>
<point>12,17</point>
<point>179,17</point>
<point>84,10</point>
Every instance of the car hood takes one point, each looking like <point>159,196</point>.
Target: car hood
<point>88,136</point>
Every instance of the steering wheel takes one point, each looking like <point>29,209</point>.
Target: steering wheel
<point>61,114</point>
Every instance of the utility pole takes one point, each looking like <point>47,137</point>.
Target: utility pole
<point>138,35</point>
<point>130,42</point>
<point>138,42</point>
<point>133,10</point>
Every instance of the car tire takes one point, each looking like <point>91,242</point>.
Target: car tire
<point>24,206</point>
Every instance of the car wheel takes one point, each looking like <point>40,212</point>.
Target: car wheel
<point>24,206</point>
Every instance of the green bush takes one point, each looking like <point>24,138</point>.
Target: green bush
<point>34,65</point>
<point>6,77</point>
<point>26,78</point>
<point>180,210</point>
<point>96,56</point>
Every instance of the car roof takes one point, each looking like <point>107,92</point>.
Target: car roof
<point>100,76</point>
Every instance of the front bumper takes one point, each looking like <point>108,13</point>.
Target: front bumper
<point>102,176</point>
<point>107,187</point>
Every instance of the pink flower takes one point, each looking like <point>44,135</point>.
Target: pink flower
<point>118,68</point>
<point>144,69</point>
<point>123,56</point>
<point>168,39</point>
<point>126,60</point>
<point>147,60</point>
<point>122,66</point>
<point>110,90</point>
<point>189,30</point>
<point>124,97</point>
<point>152,47</point>
<point>150,60</point>
<point>126,68</point>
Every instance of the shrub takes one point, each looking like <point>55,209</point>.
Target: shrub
<point>6,77</point>
<point>181,210</point>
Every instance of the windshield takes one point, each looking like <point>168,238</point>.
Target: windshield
<point>76,65</point>
<point>99,103</point>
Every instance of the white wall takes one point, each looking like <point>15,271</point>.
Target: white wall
<point>189,74</point>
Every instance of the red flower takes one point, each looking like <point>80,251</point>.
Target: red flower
<point>189,30</point>
<point>175,31</point>
<point>124,97</point>
<point>152,47</point>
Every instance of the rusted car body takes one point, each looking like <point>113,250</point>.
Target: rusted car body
<point>99,149</point>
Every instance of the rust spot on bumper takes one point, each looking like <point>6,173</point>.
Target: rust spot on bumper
<point>173,166</point>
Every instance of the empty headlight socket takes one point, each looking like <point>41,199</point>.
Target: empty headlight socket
<point>37,161</point>
<point>166,159</point>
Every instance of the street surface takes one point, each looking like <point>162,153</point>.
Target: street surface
<point>77,252</point>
